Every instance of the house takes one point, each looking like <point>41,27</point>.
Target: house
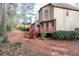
<point>58,16</point>
<point>35,24</point>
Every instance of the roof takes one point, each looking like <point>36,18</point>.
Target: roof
<point>62,5</point>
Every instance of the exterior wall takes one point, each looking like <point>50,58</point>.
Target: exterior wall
<point>44,26</point>
<point>50,13</point>
<point>40,15</point>
<point>50,16</point>
<point>50,26</point>
<point>64,22</point>
<point>48,9</point>
<point>73,20</point>
<point>58,15</point>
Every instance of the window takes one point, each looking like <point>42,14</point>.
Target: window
<point>67,13</point>
<point>46,14</point>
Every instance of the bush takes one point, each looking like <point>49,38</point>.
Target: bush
<point>1,33</point>
<point>43,35</point>
<point>17,44</point>
<point>1,30</point>
<point>65,35</point>
<point>25,29</point>
<point>5,40</point>
<point>77,29</point>
<point>8,28</point>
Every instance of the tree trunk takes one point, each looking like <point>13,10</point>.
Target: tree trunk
<point>4,22</point>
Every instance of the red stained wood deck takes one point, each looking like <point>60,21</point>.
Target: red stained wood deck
<point>47,30</point>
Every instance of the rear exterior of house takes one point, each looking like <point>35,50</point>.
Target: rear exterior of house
<point>58,16</point>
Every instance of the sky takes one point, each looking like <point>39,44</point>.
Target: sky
<point>38,6</point>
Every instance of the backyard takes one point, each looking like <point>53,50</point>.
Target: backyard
<point>20,37</point>
<point>38,47</point>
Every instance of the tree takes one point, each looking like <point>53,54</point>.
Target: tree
<point>27,12</point>
<point>4,22</point>
<point>12,10</point>
<point>13,15</point>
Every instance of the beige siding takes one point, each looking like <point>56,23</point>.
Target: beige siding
<point>51,12</point>
<point>43,11</point>
<point>73,20</point>
<point>40,15</point>
<point>59,16</point>
<point>50,26</point>
<point>44,25</point>
<point>64,22</point>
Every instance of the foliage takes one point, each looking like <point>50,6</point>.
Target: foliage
<point>43,35</point>
<point>8,28</point>
<point>27,12</point>
<point>12,10</point>
<point>1,30</point>
<point>17,44</point>
<point>1,33</point>
<point>77,29</point>
<point>25,29</point>
<point>12,25</point>
<point>13,15</point>
<point>5,40</point>
<point>65,35</point>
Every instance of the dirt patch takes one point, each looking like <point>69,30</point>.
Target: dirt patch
<point>45,47</point>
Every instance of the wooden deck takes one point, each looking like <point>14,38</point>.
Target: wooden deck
<point>47,31</point>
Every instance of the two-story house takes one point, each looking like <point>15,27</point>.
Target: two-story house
<point>58,16</point>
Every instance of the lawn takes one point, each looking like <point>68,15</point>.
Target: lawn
<point>47,47</point>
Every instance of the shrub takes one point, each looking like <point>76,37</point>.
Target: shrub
<point>11,45</point>
<point>25,29</point>
<point>1,33</point>
<point>77,29</point>
<point>43,35</point>
<point>8,28</point>
<point>17,44</point>
<point>1,30</point>
<point>65,35</point>
<point>5,40</point>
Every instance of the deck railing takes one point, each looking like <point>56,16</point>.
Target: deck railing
<point>47,30</point>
